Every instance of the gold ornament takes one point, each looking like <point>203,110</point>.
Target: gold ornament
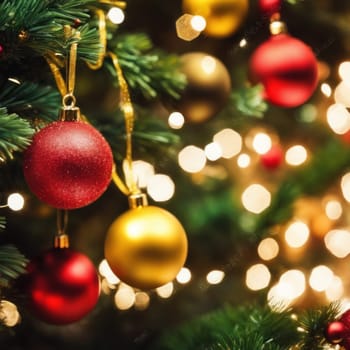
<point>223,17</point>
<point>208,87</point>
<point>146,246</point>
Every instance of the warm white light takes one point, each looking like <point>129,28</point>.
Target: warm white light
<point>296,155</point>
<point>338,242</point>
<point>341,94</point>
<point>344,71</point>
<point>116,15</point>
<point>142,300</point>
<point>243,160</point>
<point>326,89</point>
<point>208,64</point>
<point>257,277</point>
<point>161,187</point>
<point>297,234</point>
<point>262,143</point>
<point>165,291</point>
<point>335,290</point>
<point>230,142</point>
<point>243,43</point>
<point>142,172</point>
<point>334,209</point>
<point>268,249</point>
<point>9,315</point>
<point>279,297</point>
<point>213,151</point>
<point>345,186</point>
<point>192,159</point>
<point>124,298</point>
<point>295,279</point>
<point>198,23</point>
<point>184,276</point>
<point>215,276</point>
<point>321,277</point>
<point>176,120</point>
<point>107,273</point>
<point>338,118</point>
<point>256,198</point>
<point>15,201</point>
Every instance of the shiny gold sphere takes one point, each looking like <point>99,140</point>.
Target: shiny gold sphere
<point>208,86</point>
<point>146,247</point>
<point>223,17</point>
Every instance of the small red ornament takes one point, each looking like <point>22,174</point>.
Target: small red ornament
<point>62,286</point>
<point>1,49</point>
<point>273,158</point>
<point>335,332</point>
<point>287,68</point>
<point>68,165</point>
<point>270,7</point>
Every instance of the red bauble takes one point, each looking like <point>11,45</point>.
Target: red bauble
<point>287,68</point>
<point>68,165</point>
<point>335,332</point>
<point>273,158</point>
<point>269,7</point>
<point>62,286</point>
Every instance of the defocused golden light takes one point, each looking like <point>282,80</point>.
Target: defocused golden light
<point>257,277</point>
<point>165,291</point>
<point>243,160</point>
<point>326,89</point>
<point>213,151</point>
<point>124,298</point>
<point>297,234</point>
<point>142,172</point>
<point>262,143</point>
<point>208,64</point>
<point>116,15</point>
<point>296,155</point>
<point>198,23</point>
<point>243,43</point>
<point>345,186</point>
<point>142,300</point>
<point>184,276</point>
<point>230,142</point>
<point>215,276</point>
<point>161,187</point>
<point>295,279</point>
<point>342,93</point>
<point>15,201</point>
<point>320,278</point>
<point>192,159</point>
<point>344,71</point>
<point>176,120</point>
<point>279,297</point>
<point>9,315</point>
<point>338,118</point>
<point>338,242</point>
<point>256,198</point>
<point>107,273</point>
<point>335,290</point>
<point>186,27</point>
<point>334,209</point>
<point>268,249</point>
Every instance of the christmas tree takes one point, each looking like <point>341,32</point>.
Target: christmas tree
<point>174,175</point>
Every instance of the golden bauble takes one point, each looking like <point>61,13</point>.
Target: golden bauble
<point>223,17</point>
<point>146,247</point>
<point>208,87</point>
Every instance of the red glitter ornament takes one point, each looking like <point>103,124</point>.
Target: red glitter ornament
<point>68,165</point>
<point>273,158</point>
<point>287,68</point>
<point>270,7</point>
<point>335,332</point>
<point>62,286</point>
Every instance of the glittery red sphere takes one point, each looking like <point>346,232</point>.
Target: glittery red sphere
<point>335,332</point>
<point>287,68</point>
<point>273,158</point>
<point>62,286</point>
<point>269,7</point>
<point>68,165</point>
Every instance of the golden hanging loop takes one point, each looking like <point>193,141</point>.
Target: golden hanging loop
<point>61,238</point>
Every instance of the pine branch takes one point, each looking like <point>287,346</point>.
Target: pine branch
<point>150,71</point>
<point>2,223</point>
<point>15,133</point>
<point>30,100</point>
<point>12,264</point>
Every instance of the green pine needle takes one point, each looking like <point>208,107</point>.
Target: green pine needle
<point>2,223</point>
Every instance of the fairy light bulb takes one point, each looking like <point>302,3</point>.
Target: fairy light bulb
<point>338,242</point>
<point>176,120</point>
<point>243,160</point>
<point>161,187</point>
<point>320,278</point>
<point>107,273</point>
<point>215,276</point>
<point>297,234</point>
<point>258,277</point>
<point>338,118</point>
<point>256,198</point>
<point>116,15</point>
<point>344,71</point>
<point>335,290</point>
<point>184,276</point>
<point>230,142</point>
<point>262,143</point>
<point>326,89</point>
<point>165,291</point>
<point>213,151</point>
<point>268,249</point>
<point>15,201</point>
<point>192,159</point>
<point>333,209</point>
<point>345,186</point>
<point>124,298</point>
<point>198,23</point>
<point>296,155</point>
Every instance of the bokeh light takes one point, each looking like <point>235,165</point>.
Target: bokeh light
<point>213,151</point>
<point>176,120</point>
<point>297,234</point>
<point>116,15</point>
<point>124,298</point>
<point>338,242</point>
<point>165,291</point>
<point>296,155</point>
<point>161,187</point>
<point>268,249</point>
<point>320,278</point>
<point>192,159</point>
<point>258,277</point>
<point>262,143</point>
<point>15,201</point>
<point>230,142</point>
<point>184,276</point>
<point>256,198</point>
<point>215,276</point>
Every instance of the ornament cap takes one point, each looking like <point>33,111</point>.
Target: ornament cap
<point>137,200</point>
<point>277,27</point>
<point>61,241</point>
<point>69,114</point>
